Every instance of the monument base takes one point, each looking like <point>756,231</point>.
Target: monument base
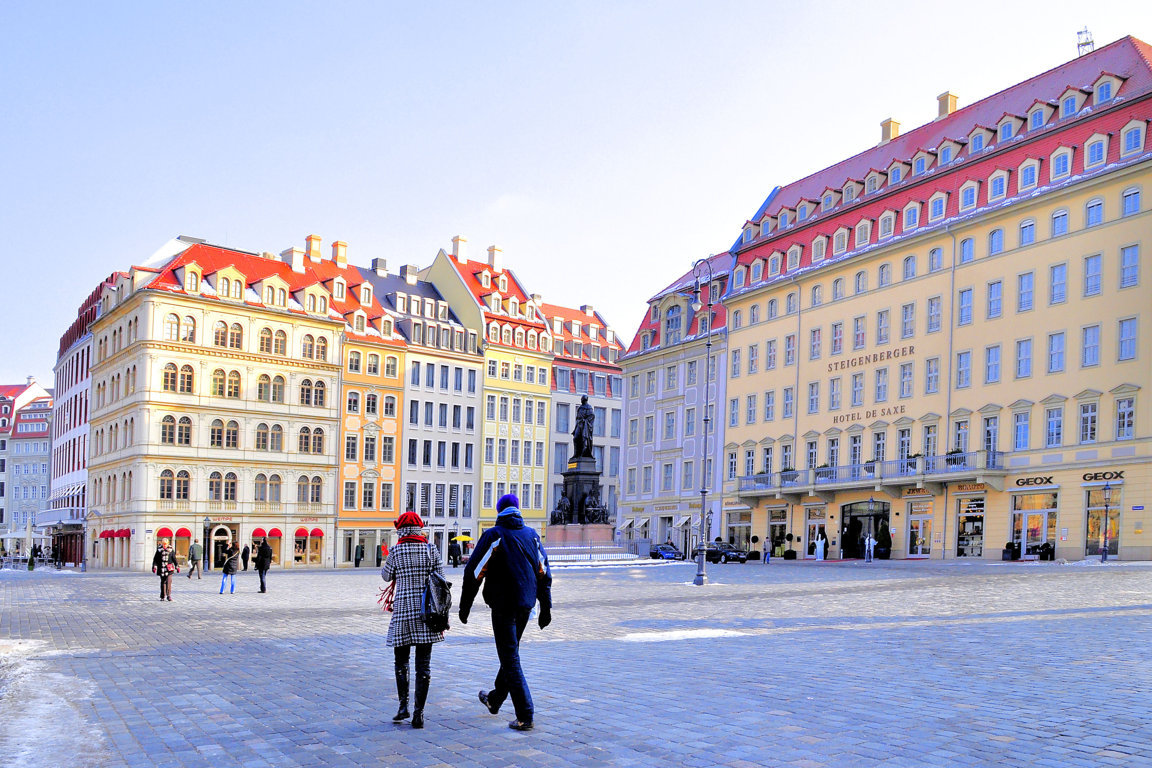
<point>576,535</point>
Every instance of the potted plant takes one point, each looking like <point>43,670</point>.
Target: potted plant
<point>788,475</point>
<point>883,549</point>
<point>754,551</point>
<point>870,466</point>
<point>954,458</point>
<point>789,554</point>
<point>824,473</point>
<point>1011,551</point>
<point>909,464</point>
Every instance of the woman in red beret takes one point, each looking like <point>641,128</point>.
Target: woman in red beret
<point>409,563</point>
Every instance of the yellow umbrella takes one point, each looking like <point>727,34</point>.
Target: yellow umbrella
<point>461,538</point>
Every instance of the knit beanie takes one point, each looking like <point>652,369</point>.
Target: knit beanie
<point>507,501</point>
<point>409,519</point>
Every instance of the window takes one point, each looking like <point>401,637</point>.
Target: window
<point>945,155</point>
<point>860,282</point>
<point>1125,418</point>
<point>1088,422</point>
<point>931,375</point>
<point>1090,346</point>
<point>837,289</point>
<point>1129,266</point>
<point>789,402</point>
<point>1020,429</point>
<point>1092,275</point>
<point>789,349</point>
<point>995,242</point>
<point>883,325</point>
<point>813,399</point>
<point>1130,202</point>
<point>935,260</point>
<point>169,378</point>
<point>907,321</point>
<point>735,363</point>
<point>1036,120</point>
<point>886,224</point>
<point>1058,284</point>
<point>814,345</point>
<point>881,385</point>
<point>834,394</point>
<point>906,380</point>
<point>857,384</point>
<point>1095,153</point>
<point>858,333</point>
<point>733,412</point>
<point>935,313</point>
<point>963,369</point>
<point>1056,352</point>
<point>995,299</point>
<point>1005,131</point>
<point>817,296</point>
<point>968,197</point>
<point>1061,164</point>
<point>1027,232</point>
<point>1028,177</point>
<point>770,405</point>
<point>1094,214</point>
<point>1126,348</point>
<point>964,307</point>
<point>967,250</point>
<point>992,364</point>
<point>1053,427</point>
<point>997,187</point>
<point>1023,358</point>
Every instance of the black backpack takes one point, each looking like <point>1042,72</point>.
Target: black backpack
<point>436,603</point>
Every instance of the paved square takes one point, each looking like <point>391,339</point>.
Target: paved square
<point>796,664</point>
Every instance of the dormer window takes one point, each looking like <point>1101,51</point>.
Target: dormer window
<point>1096,151</point>
<point>919,166</point>
<point>887,223</point>
<point>1104,92</point>
<point>338,289</point>
<point>513,307</point>
<point>894,176</point>
<point>945,155</point>
<point>485,280</point>
<point>968,196</point>
<point>851,189</point>
<point>794,257</point>
<point>323,305</point>
<point>840,241</point>
<point>757,271</point>
<point>872,183</point>
<point>1133,137</point>
<point>365,295</point>
<point>774,264</point>
<point>767,224</point>
<point>976,144</point>
<point>359,323</point>
<point>1036,120</point>
<point>1068,106</point>
<point>1027,175</point>
<point>912,216</point>
<point>802,212</point>
<point>783,220</point>
<point>827,203</point>
<point>863,233</point>
<point>503,284</point>
<point>191,281</point>
<point>998,186</point>
<point>386,329</point>
<point>1005,131</point>
<point>937,206</point>
<point>1061,163</point>
<point>819,247</point>
<point>442,311</point>
<point>269,295</point>
<point>281,297</point>
<point>401,303</point>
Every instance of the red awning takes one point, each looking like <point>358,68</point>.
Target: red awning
<point>183,532</point>
<point>107,534</point>
<point>123,533</point>
<point>258,533</point>
<point>164,533</point>
<point>301,533</point>
<point>274,533</point>
<point>317,533</point>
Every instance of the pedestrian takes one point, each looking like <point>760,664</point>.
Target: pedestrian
<point>195,555</point>
<point>244,555</point>
<point>454,553</point>
<point>359,554</point>
<point>869,546</point>
<point>821,543</point>
<point>511,561</point>
<point>231,565</point>
<point>164,565</point>
<point>263,562</point>
<point>767,551</point>
<point>409,564</point>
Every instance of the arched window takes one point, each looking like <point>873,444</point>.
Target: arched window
<point>276,438</point>
<point>218,382</point>
<point>230,486</point>
<point>316,488</point>
<point>354,361</point>
<point>353,402</point>
<point>520,337</point>
<point>386,329</point>
<point>672,324</point>
<point>236,336</point>
<point>234,384</point>
<point>995,241</point>
<point>389,405</point>
<point>168,430</point>
<point>308,347</point>
<point>311,303</point>
<point>215,487</point>
<point>172,327</point>
<point>305,440</point>
<point>278,389</point>
<point>167,485</point>
<point>373,367</point>
<point>837,288</point>
<point>262,437</point>
<point>183,431</point>
<point>754,314</point>
<point>323,305</point>
<point>266,341</point>
<point>319,394</point>
<point>494,332</point>
<point>187,331</point>
<point>187,379</point>
<point>169,382</point>
<point>909,267</point>
<point>281,297</point>
<point>269,295</point>
<point>225,287</point>
<point>322,348</point>
<point>216,434</point>
<point>318,440</point>
<point>861,282</point>
<point>264,387</point>
<point>772,312</point>
<point>183,485</point>
<point>260,488</point>
<point>302,489</point>
<point>885,276</point>
<point>737,320</point>
<point>371,404</point>
<point>506,335</point>
<point>791,303</point>
<point>220,334</point>
<point>533,340</point>
<point>306,392</point>
<point>280,344</point>
<point>274,489</point>
<point>817,295</point>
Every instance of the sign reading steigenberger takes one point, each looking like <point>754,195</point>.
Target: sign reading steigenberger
<point>875,357</point>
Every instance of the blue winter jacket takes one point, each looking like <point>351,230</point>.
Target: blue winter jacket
<point>510,559</point>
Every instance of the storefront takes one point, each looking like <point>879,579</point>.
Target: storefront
<point>1102,502</point>
<point>360,547</point>
<point>858,520</point>
<point>308,547</point>
<point>1034,525</point>
<point>970,527</point>
<point>778,529</point>
<point>919,514</point>
<point>815,518</point>
<point>739,528</point>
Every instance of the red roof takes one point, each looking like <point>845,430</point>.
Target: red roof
<point>470,272</point>
<point>567,316</point>
<point>684,285</point>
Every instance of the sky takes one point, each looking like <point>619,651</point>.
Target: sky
<point>604,146</point>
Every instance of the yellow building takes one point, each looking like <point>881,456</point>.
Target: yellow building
<point>517,347</point>
<point>938,341</point>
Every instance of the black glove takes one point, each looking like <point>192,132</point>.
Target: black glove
<point>463,615</point>
<point>545,618</point>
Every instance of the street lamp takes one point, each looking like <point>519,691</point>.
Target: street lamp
<point>701,557</point>
<point>207,544</point>
<point>1107,501</point>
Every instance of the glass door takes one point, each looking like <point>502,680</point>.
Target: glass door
<point>919,536</point>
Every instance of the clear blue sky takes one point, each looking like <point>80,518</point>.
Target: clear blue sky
<point>604,146</point>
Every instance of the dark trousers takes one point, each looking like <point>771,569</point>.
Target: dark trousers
<point>507,629</point>
<point>165,585</point>
<point>423,658</point>
<point>194,567</point>
<point>263,586</point>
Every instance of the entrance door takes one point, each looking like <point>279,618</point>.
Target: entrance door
<point>814,527</point>
<point>363,549</point>
<point>919,536</point>
<point>221,537</point>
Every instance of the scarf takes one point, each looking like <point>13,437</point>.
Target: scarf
<point>410,534</point>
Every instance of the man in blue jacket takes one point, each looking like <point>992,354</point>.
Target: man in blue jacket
<point>511,562</point>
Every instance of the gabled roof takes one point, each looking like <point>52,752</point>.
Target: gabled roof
<point>568,315</point>
<point>721,264</point>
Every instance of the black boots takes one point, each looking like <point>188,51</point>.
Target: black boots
<point>422,680</point>
<point>402,693</point>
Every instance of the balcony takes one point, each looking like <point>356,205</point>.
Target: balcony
<point>891,477</point>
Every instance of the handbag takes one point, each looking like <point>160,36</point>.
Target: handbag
<point>436,602</point>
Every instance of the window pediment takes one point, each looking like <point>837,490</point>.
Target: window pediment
<point>1089,394</point>
<point>1021,405</point>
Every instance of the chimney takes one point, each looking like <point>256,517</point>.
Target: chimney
<point>587,310</point>
<point>340,254</point>
<point>268,255</point>
<point>295,257</point>
<point>459,248</point>
<point>409,273</point>
<point>537,299</point>
<point>380,267</point>
<point>313,247</point>
<point>947,101</point>
<point>31,380</point>
<point>495,258</point>
<point>889,129</point>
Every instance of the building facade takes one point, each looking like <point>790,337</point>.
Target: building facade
<point>938,341</point>
<point>585,366</point>
<point>20,458</point>
<point>674,387</point>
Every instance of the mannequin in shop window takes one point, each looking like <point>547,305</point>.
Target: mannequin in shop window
<point>821,544</point>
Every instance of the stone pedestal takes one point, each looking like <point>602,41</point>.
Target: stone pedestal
<point>581,481</point>
<point>576,535</point>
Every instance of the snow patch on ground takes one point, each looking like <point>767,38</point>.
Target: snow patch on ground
<point>40,724</point>
<point>678,634</point>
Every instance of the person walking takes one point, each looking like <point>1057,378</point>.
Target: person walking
<point>454,553</point>
<point>263,562</point>
<point>244,555</point>
<point>511,562</point>
<point>231,565</point>
<point>164,565</point>
<point>359,554</point>
<point>409,564</point>
<point>869,546</point>
<point>195,555</point>
<point>767,551</point>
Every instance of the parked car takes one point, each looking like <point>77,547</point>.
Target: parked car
<point>665,552</point>
<point>721,552</point>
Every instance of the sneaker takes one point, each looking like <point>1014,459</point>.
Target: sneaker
<point>520,725</point>
<point>483,696</point>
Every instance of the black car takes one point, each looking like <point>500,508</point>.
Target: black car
<point>721,552</point>
<point>665,552</point>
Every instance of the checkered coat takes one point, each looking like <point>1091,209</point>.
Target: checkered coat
<point>409,564</point>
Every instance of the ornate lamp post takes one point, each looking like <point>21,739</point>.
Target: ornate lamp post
<point>1104,523</point>
<point>698,269</point>
<point>207,544</point>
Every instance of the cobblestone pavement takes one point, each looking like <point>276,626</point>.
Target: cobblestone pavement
<point>791,664</point>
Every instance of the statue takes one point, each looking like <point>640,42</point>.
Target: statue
<point>593,510</point>
<point>563,512</point>
<point>582,434</point>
